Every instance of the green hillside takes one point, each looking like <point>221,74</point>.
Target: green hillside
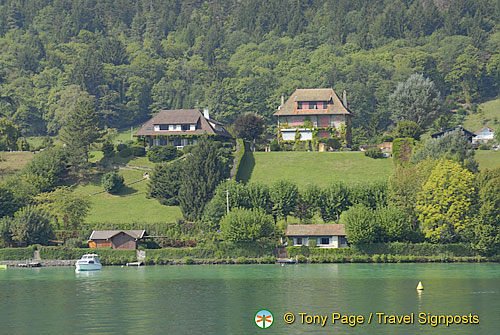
<point>488,115</point>
<point>488,159</point>
<point>316,167</point>
<point>130,206</point>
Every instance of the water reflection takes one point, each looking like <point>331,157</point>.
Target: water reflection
<point>224,299</point>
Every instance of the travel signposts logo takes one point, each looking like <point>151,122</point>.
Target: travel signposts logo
<point>264,319</point>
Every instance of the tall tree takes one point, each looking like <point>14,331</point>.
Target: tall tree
<point>416,99</point>
<point>204,169</point>
<point>445,202</point>
<point>80,131</point>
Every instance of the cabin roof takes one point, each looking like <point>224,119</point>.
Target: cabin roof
<point>315,230</point>
<point>107,234</point>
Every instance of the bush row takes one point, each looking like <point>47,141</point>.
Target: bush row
<point>228,260</point>
<point>161,256</point>
<point>376,258</point>
<point>16,254</point>
<point>394,248</point>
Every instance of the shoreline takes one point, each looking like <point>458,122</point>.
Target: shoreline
<point>190,261</point>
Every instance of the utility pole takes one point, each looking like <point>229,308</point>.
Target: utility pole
<point>227,201</point>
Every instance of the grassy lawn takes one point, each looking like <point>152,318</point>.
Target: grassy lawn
<point>488,159</point>
<point>129,206</point>
<point>10,162</point>
<point>490,111</point>
<point>123,135</point>
<point>318,168</point>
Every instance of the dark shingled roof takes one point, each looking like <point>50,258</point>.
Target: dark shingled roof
<point>315,230</point>
<point>181,116</point>
<point>315,94</point>
<point>467,133</point>
<point>107,234</point>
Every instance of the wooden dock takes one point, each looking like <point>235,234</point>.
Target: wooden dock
<point>135,264</point>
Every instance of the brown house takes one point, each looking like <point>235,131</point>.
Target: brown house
<point>116,239</point>
<point>180,127</point>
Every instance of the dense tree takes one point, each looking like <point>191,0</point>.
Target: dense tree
<point>112,182</point>
<point>164,183</point>
<point>416,99</point>
<point>444,203</point>
<point>335,199</point>
<point>68,209</point>
<point>203,170</point>
<point>284,195</point>
<point>31,225</point>
<point>249,126</point>
<point>406,129</point>
<point>395,224</point>
<point>246,225</point>
<point>360,225</point>
<point>80,131</point>
<point>162,153</point>
<point>171,54</point>
<point>9,134</point>
<point>452,145</point>
<point>487,222</point>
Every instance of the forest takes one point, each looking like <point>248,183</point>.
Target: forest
<point>136,57</point>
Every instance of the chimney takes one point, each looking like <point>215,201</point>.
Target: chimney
<point>344,99</point>
<point>206,113</point>
<point>282,99</point>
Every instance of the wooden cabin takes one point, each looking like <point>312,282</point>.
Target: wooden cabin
<point>116,239</point>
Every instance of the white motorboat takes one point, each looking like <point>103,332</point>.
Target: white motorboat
<point>88,262</point>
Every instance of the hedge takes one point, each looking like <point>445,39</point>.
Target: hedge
<point>161,256</point>
<point>240,158</point>
<point>107,256</point>
<point>394,249</point>
<point>401,150</point>
<point>16,254</point>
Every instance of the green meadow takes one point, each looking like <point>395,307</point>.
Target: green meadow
<point>315,167</point>
<point>129,206</point>
<point>488,115</point>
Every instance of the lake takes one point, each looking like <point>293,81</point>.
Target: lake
<point>223,299</point>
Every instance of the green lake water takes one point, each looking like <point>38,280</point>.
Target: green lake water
<point>224,299</point>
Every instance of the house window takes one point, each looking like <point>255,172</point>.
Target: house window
<point>185,127</point>
<point>342,240</point>
<point>163,126</point>
<point>313,105</point>
<point>299,105</point>
<point>325,240</point>
<point>299,241</point>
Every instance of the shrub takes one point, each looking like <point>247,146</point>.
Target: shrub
<point>243,225</point>
<point>374,153</point>
<point>126,152</point>
<point>360,224</point>
<point>138,151</point>
<point>162,153</point>
<point>241,260</point>
<point>107,149</point>
<point>484,146</point>
<point>187,260</point>
<point>112,182</point>
<point>275,146</point>
<point>121,147</point>
<point>22,144</point>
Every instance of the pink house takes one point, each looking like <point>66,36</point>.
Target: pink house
<point>309,109</point>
